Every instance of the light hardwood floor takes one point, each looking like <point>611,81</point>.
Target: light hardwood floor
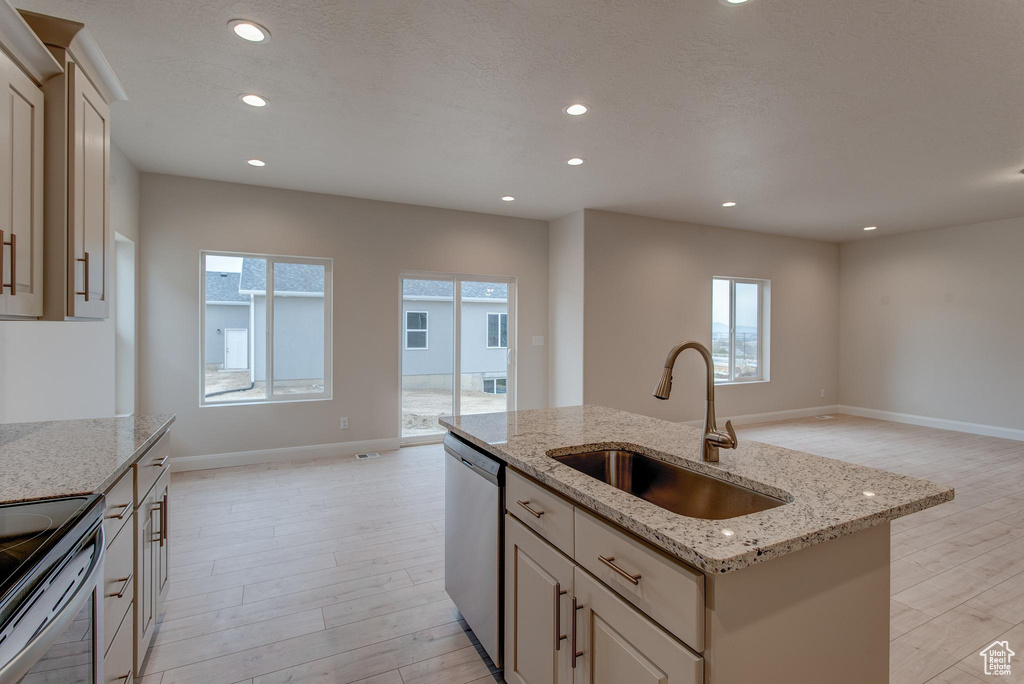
<point>331,571</point>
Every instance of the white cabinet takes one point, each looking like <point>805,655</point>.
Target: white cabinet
<point>151,555</point>
<point>562,626</point>
<point>79,241</point>
<point>538,599</point>
<point>616,643</point>
<point>21,189</point>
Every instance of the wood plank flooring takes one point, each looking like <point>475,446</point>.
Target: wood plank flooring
<point>331,571</point>
<point>957,570</point>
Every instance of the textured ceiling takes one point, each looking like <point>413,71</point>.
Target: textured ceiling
<point>818,116</point>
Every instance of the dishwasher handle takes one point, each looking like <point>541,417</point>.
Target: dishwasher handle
<point>480,463</point>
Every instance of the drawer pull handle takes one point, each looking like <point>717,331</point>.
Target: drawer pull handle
<point>559,592</point>
<point>13,244</point>
<point>531,511</point>
<point>124,586</point>
<point>575,654</point>
<point>635,579</point>
<point>120,516</point>
<point>124,679</point>
<point>85,291</point>
<point>160,463</point>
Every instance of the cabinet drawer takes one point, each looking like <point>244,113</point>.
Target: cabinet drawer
<point>119,663</point>
<point>118,581</point>
<point>150,467</point>
<point>120,501</point>
<point>669,592</point>
<point>543,511</point>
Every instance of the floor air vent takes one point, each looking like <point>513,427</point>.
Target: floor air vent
<point>363,457</point>
<point>825,417</point>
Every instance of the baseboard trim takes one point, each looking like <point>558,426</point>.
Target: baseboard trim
<point>771,416</point>
<point>940,423</point>
<point>301,453</point>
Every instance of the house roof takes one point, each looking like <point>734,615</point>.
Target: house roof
<point>222,286</point>
<point>444,288</point>
<point>305,278</point>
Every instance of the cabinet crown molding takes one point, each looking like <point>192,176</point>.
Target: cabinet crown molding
<point>24,47</point>
<point>75,38</point>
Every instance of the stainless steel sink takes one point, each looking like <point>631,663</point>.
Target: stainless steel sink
<point>676,489</point>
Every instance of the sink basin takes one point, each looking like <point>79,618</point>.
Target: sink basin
<point>676,489</point>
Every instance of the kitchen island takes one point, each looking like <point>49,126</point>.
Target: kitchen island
<point>796,592</point>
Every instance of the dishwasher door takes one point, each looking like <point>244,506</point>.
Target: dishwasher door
<point>472,540</point>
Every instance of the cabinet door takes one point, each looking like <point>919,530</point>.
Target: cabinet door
<point>88,199</point>
<point>21,187</point>
<point>538,596</point>
<point>619,644</point>
<point>162,494</point>
<point>147,547</point>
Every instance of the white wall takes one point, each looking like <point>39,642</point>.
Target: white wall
<point>565,310</point>
<point>648,286</point>
<point>371,243</point>
<point>932,323</point>
<point>55,370</point>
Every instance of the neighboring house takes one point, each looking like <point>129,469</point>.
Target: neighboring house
<point>236,321</point>
<point>427,344</point>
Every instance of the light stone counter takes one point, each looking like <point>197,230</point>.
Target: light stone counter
<point>827,498</point>
<point>72,457</point>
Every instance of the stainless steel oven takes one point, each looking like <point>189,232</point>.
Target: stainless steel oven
<point>51,560</point>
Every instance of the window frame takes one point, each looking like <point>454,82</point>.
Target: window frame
<point>495,385</point>
<point>487,329</point>
<point>270,397</point>
<point>425,330</point>
<point>763,330</point>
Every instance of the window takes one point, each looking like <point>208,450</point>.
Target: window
<point>266,328</point>
<point>739,329</point>
<point>495,386</point>
<point>497,330</point>
<point>415,329</point>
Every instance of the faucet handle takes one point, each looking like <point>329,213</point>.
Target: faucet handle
<point>732,434</point>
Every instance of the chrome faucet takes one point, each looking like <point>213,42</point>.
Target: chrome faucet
<point>713,439</point>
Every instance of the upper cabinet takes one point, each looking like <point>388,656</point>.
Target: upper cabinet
<point>76,214</point>
<point>25,65</point>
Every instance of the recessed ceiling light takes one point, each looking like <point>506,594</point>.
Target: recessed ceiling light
<point>869,494</point>
<point>728,204</point>
<point>734,2</point>
<point>728,533</point>
<point>248,30</point>
<point>253,100</point>
<point>256,162</point>
<point>870,227</point>
<point>507,198</point>
<point>575,161</point>
<point>576,109</point>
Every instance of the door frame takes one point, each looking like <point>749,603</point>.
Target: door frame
<point>512,353</point>
<point>248,360</point>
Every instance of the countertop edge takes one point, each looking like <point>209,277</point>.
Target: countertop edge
<point>136,455</point>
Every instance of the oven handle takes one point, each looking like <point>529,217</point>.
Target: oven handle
<point>35,649</point>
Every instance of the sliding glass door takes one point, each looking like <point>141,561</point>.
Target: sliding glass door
<point>457,349</point>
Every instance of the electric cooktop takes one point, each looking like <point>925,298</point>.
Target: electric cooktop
<point>29,530</point>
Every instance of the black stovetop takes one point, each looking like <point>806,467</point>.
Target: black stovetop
<point>29,530</point>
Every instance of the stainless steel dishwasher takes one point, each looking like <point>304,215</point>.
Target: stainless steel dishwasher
<point>474,492</point>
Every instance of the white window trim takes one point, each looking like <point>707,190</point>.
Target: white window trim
<point>270,397</point>
<point>763,331</point>
<point>487,328</point>
<point>495,381</point>
<point>424,330</point>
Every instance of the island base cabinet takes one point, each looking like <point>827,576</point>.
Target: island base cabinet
<point>538,599</point>
<point>616,643</point>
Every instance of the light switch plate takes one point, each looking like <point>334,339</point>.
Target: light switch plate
<point>343,423</point>
<point>538,340</point>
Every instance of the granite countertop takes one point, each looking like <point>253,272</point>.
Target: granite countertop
<point>72,457</point>
<point>827,498</point>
